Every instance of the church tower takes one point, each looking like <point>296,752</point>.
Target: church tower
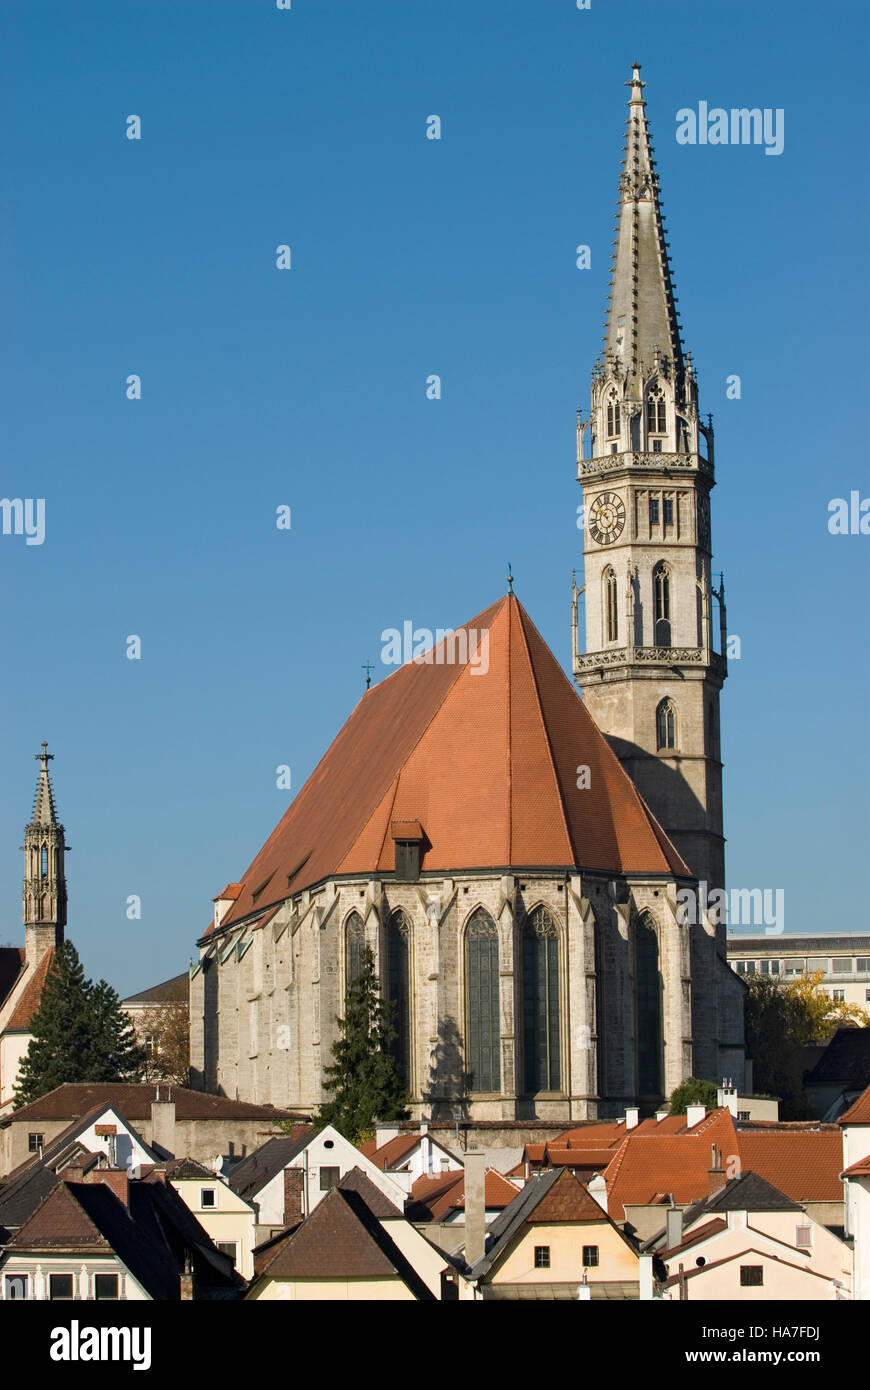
<point>44,878</point>
<point>650,675</point>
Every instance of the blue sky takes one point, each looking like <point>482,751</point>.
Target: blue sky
<point>307,127</point>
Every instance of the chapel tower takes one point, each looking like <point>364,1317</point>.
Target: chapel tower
<point>44,896</point>
<point>650,675</point>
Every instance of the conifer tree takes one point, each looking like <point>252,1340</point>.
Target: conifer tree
<point>80,1033</point>
<point>363,1080</point>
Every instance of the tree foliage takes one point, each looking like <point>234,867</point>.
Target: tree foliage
<point>363,1080</point>
<point>693,1091</point>
<point>168,1026</point>
<point>80,1033</point>
<point>783,1017</point>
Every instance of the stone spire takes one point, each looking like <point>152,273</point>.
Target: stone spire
<point>44,896</point>
<point>642,316</point>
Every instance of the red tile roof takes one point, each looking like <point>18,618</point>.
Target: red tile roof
<point>486,762</point>
<point>647,1166</point>
<point>390,1153</point>
<point>859,1112</point>
<point>566,1200</point>
<point>861,1169</point>
<point>805,1165</point>
<point>232,890</point>
<point>28,1004</point>
<point>443,1194</point>
<point>709,1228</point>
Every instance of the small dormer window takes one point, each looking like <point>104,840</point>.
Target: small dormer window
<point>407,837</point>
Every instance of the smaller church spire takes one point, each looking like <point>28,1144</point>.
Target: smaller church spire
<point>43,804</point>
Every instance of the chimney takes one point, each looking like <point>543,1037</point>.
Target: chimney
<point>597,1188</point>
<point>158,1172</point>
<point>185,1282</point>
<point>694,1115</point>
<point>293,1209</point>
<point>116,1179</point>
<point>646,1291</point>
<point>385,1131</point>
<point>73,1172</point>
<point>726,1097</point>
<point>632,1118</point>
<point>475,1205</point>
<point>662,1115</point>
<point>163,1121</point>
<point>675,1227</point>
<point>716,1173</point>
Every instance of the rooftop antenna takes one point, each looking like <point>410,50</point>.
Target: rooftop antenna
<point>368,668</point>
<point>510,579</point>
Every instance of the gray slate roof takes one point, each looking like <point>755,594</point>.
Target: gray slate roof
<point>749,1192</point>
<point>251,1175</point>
<point>509,1221</point>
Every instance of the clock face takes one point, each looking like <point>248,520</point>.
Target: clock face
<point>606,518</point>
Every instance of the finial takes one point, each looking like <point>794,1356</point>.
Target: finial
<point>510,579</point>
<point>368,668</point>
<point>44,756</point>
<point>636,84</point>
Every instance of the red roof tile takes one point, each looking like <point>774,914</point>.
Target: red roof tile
<point>861,1169</point>
<point>485,762</point>
<point>709,1228</point>
<point>859,1112</point>
<point>133,1100</point>
<point>29,1002</point>
<point>390,1153</point>
<point>804,1165</point>
<point>443,1194</point>
<point>647,1166</point>
<point>232,890</point>
<point>567,1200</point>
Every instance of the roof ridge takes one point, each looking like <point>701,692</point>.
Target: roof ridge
<point>548,744</point>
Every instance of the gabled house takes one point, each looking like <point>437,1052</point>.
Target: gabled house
<point>345,1250</point>
<point>289,1176</point>
<point>855,1126</point>
<point>745,1218</point>
<point>555,1241</point>
<point>112,1239</point>
<point>437,1205</point>
<point>226,1217</point>
<point>416,1152</point>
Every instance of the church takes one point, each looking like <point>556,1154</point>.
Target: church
<point>512,854</point>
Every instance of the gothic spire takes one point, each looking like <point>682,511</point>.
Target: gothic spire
<point>642,316</point>
<point>43,805</point>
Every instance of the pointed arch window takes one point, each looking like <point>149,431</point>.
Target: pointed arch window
<point>355,946</point>
<point>648,1007</point>
<point>481,983</point>
<point>662,604</point>
<point>399,989</point>
<point>541,1021</point>
<point>611,612</point>
<point>666,724</point>
<point>612,415</point>
<point>656,412</point>
<point>43,861</point>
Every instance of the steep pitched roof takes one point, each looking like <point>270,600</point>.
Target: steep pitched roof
<point>485,760</point>
<point>390,1153</point>
<point>699,1272</point>
<point>859,1112</point>
<point>378,1204</point>
<point>435,1197</point>
<point>567,1200</point>
<point>749,1192</point>
<point>133,1101</point>
<point>554,1197</point>
<point>28,1004</point>
<point>845,1061</point>
<point>343,1239</point>
<point>251,1175</point>
<point>11,965</point>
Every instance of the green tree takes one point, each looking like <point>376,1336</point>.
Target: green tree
<point>363,1080</point>
<point>824,1014</point>
<point>693,1091</point>
<point>779,1024</point>
<point>80,1033</point>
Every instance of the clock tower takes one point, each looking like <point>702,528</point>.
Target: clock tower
<point>650,675</point>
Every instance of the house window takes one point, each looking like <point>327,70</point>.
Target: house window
<point>399,989</point>
<point>16,1286</point>
<point>817,963</point>
<point>60,1287</point>
<point>228,1247</point>
<point>662,605</point>
<point>612,415</point>
<point>804,1237</point>
<point>744,1115</point>
<point>355,945</point>
<point>867,996</point>
<point>481,976</point>
<point>648,987</point>
<point>862,964</point>
<point>329,1178</point>
<point>611,615</point>
<point>656,413</point>
<point>541,1031</point>
<point>590,1256</point>
<point>148,1040</point>
<point>838,996</point>
<point>35,1143</point>
<point>657,446</point>
<point>668,511</point>
<point>105,1286</point>
<point>666,724</point>
<point>751,1276</point>
<point>542,1257</point>
<point>207,1199</point>
<point>770,967</point>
